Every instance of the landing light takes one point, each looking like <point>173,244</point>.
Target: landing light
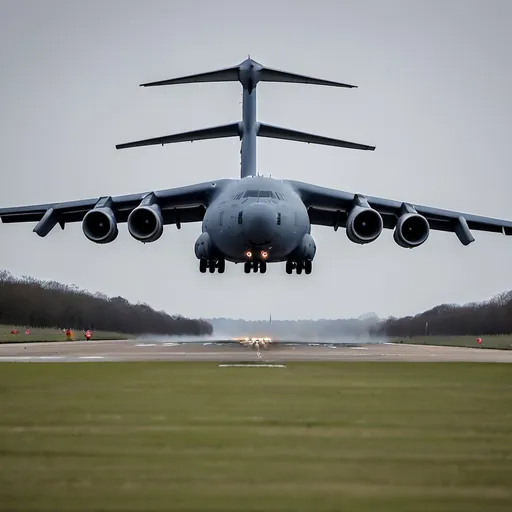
<point>264,254</point>
<point>248,254</point>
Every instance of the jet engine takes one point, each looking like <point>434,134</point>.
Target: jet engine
<point>145,223</point>
<point>364,225</point>
<point>100,225</point>
<point>412,230</point>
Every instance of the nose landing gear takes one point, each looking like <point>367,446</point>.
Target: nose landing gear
<point>255,266</point>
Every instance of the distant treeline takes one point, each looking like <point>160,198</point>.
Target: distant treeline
<point>489,317</point>
<point>29,302</point>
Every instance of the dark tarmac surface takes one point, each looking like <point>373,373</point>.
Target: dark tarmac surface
<point>136,350</point>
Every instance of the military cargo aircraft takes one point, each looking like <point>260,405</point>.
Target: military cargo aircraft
<point>253,220</point>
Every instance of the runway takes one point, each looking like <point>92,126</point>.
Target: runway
<point>225,352</point>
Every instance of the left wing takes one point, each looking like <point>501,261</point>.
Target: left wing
<point>335,208</point>
<point>176,205</point>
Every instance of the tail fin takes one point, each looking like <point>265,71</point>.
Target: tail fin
<point>236,74</point>
<point>221,75</point>
<point>249,73</point>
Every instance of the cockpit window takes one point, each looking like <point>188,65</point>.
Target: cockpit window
<point>259,193</point>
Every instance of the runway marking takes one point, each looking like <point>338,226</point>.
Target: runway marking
<point>252,365</point>
<point>146,345</point>
<point>15,358</point>
<point>169,344</point>
<point>358,348</point>
<point>51,357</point>
<point>91,357</point>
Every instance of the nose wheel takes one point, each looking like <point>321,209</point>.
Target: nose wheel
<point>299,267</point>
<point>212,265</point>
<point>255,266</point>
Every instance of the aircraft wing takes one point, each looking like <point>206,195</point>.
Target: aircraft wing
<point>330,207</point>
<point>178,205</point>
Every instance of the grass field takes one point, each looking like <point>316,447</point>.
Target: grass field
<point>51,335</point>
<point>310,437</point>
<point>501,342</point>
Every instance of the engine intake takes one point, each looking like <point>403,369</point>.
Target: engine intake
<point>412,230</point>
<point>145,223</point>
<point>100,225</point>
<point>364,225</point>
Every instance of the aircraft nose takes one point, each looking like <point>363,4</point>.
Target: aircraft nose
<point>259,221</point>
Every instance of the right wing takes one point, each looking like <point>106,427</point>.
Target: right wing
<point>178,205</point>
<point>331,207</point>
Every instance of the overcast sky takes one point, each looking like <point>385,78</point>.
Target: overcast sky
<point>434,97</point>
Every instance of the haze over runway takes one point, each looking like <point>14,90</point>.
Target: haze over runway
<point>148,350</point>
<point>433,98</point>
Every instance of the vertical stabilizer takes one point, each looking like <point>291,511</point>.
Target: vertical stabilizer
<point>249,73</point>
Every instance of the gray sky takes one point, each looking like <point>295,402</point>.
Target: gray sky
<point>434,97</point>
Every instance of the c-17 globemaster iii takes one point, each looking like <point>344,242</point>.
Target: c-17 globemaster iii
<point>254,220</point>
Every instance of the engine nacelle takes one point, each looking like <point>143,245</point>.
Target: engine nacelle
<point>412,230</point>
<point>364,225</point>
<point>145,223</point>
<point>204,248</point>
<point>100,226</point>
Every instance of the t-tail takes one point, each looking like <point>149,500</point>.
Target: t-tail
<point>249,73</point>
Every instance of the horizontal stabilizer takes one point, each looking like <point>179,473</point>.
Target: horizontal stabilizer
<point>215,132</point>
<point>276,75</point>
<point>248,70</point>
<point>221,75</point>
<point>276,132</point>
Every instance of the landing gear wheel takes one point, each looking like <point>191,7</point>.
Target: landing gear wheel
<point>221,266</point>
<point>247,267</point>
<point>255,266</point>
<point>289,267</point>
<point>308,266</point>
<point>263,267</point>
<point>211,267</point>
<point>202,265</point>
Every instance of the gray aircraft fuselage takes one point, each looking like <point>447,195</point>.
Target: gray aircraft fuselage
<point>259,217</point>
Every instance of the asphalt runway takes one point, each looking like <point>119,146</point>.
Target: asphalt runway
<point>135,350</point>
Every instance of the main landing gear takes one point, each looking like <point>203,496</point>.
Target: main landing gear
<point>255,266</point>
<point>211,265</point>
<point>299,266</point>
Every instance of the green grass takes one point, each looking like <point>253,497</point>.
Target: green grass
<point>51,335</point>
<point>310,437</point>
<point>503,342</point>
